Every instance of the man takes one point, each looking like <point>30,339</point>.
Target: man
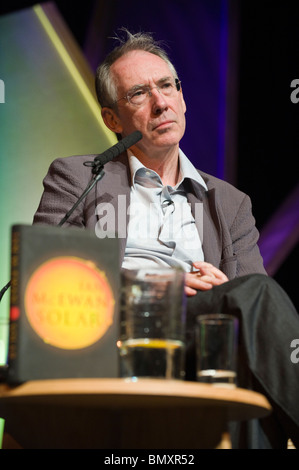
<point>191,219</point>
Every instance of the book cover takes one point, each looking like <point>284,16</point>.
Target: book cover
<point>64,304</point>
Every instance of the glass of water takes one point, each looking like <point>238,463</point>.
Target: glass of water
<point>216,349</point>
<point>152,328</point>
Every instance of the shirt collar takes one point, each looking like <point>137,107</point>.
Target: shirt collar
<point>187,170</point>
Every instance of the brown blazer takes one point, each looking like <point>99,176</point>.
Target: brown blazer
<point>229,233</point>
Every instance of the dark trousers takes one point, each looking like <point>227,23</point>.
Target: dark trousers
<point>268,323</point>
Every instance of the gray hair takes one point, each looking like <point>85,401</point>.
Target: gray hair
<point>105,86</point>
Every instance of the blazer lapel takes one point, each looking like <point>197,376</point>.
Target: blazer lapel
<point>203,207</point>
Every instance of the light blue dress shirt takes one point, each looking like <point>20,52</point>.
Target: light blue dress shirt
<point>161,228</point>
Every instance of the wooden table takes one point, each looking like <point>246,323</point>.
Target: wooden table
<point>123,414</point>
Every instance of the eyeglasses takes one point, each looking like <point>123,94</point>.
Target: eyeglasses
<point>138,95</point>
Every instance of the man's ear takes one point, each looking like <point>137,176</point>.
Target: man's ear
<point>111,120</point>
<point>183,101</point>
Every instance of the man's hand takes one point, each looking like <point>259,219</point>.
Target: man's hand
<point>204,278</point>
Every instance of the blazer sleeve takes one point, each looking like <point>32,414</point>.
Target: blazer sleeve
<point>63,185</point>
<point>244,252</point>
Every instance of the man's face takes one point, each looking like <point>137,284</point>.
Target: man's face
<point>161,119</point>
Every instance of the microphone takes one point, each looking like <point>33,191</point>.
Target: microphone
<point>112,152</point>
<point>98,163</point>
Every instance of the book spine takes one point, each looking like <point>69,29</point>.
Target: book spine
<point>14,304</point>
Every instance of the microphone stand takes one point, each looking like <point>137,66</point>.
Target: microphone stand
<point>98,171</point>
<point>4,289</point>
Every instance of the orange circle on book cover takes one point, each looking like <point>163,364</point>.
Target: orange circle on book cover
<point>69,302</point>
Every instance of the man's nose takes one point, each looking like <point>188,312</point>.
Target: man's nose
<point>159,102</point>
